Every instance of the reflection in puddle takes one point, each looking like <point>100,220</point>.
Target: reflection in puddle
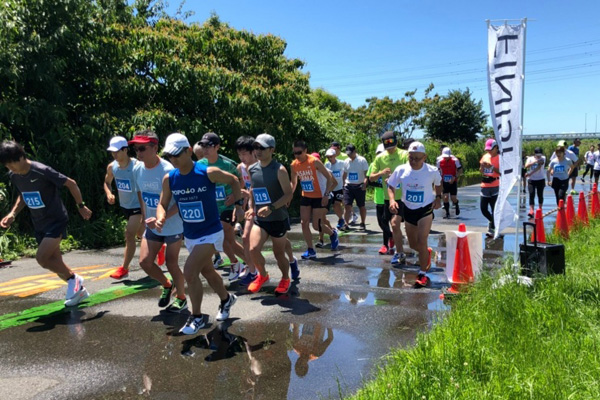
<point>309,341</point>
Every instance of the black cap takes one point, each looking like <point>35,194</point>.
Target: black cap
<point>389,139</point>
<point>210,139</point>
<point>407,142</point>
<point>538,150</point>
<point>350,149</point>
<point>335,144</point>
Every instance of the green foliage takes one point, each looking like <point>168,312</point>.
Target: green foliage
<point>455,117</point>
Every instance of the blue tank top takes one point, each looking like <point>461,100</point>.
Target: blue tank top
<point>125,181</point>
<point>195,196</point>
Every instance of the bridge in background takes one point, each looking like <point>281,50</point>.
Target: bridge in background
<point>569,137</point>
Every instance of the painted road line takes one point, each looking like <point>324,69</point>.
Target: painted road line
<point>32,314</point>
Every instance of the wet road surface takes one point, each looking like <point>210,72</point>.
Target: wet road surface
<point>346,312</point>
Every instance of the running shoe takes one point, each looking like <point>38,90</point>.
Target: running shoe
<point>238,229</point>
<point>422,280</point>
<point>218,261</point>
<point>353,219</point>
<point>76,292</point>
<point>177,306</point>
<point>341,223</point>
<point>334,240</point>
<point>283,287</point>
<point>446,216</point>
<point>294,269</point>
<point>225,307</point>
<point>319,244</point>
<point>160,258</point>
<point>574,192</point>
<point>120,273</point>
<point>582,180</point>
<point>165,296</point>
<point>345,228</point>
<point>258,283</point>
<point>457,209</point>
<point>193,325</point>
<point>362,227</point>
<point>246,280</point>
<point>398,259</point>
<point>234,272</point>
<point>383,249</point>
<point>391,245</point>
<point>310,253</point>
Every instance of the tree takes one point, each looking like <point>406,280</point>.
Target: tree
<point>454,117</point>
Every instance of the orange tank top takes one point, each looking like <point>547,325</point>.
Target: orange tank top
<point>312,183</point>
<point>488,174</point>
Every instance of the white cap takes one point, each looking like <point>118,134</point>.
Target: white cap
<point>117,143</point>
<point>330,152</point>
<point>446,152</point>
<point>380,148</point>
<point>175,144</point>
<point>416,147</point>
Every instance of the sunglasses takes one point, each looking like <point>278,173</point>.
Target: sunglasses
<point>173,155</point>
<point>297,153</point>
<point>258,147</point>
<point>389,141</point>
<point>139,149</point>
<point>411,158</point>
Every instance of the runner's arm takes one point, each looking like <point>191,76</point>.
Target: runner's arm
<point>108,178</point>
<point>16,208</point>
<point>85,212</point>
<point>217,175</point>
<point>163,204</point>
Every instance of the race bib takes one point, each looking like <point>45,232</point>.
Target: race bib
<point>415,197</point>
<point>337,174</point>
<point>33,200</point>
<point>307,186</point>
<point>261,196</point>
<point>220,193</point>
<point>123,185</point>
<point>448,178</point>
<point>559,168</point>
<point>353,176</point>
<point>151,199</point>
<point>489,170</point>
<point>192,212</point>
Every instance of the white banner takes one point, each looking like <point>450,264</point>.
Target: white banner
<point>506,62</point>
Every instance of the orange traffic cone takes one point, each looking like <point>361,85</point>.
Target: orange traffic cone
<point>561,227</point>
<point>463,269</point>
<point>540,231</point>
<point>595,211</point>
<point>160,258</point>
<point>582,214</point>
<point>570,211</point>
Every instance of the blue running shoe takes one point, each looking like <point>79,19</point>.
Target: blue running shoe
<point>246,280</point>
<point>334,240</point>
<point>399,258</point>
<point>310,253</point>
<point>294,269</point>
<point>341,223</point>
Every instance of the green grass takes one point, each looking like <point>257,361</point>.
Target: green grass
<point>509,342</point>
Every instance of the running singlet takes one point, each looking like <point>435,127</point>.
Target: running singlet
<point>391,161</point>
<point>560,168</point>
<point>194,194</point>
<point>149,184</point>
<point>222,191</point>
<point>245,176</point>
<point>589,157</point>
<point>40,190</point>
<point>540,173</point>
<point>448,167</point>
<point>313,185</point>
<point>126,184</point>
<point>337,170</point>
<point>489,172</point>
<point>417,185</point>
<point>266,190</point>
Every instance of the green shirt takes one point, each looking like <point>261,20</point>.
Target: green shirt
<point>222,191</point>
<point>378,196</point>
<point>391,161</point>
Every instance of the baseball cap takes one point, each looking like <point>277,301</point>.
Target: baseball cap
<point>350,149</point>
<point>335,144</point>
<point>416,147</point>
<point>265,140</point>
<point>117,143</point>
<point>316,155</point>
<point>490,144</point>
<point>379,148</point>
<point>538,150</point>
<point>562,143</point>
<point>330,152</point>
<point>210,139</point>
<point>446,152</point>
<point>389,139</point>
<point>175,144</point>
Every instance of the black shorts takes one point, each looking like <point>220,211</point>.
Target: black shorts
<point>596,174</point>
<point>337,195</point>
<point>227,217</point>
<point>354,192</point>
<point>450,188</point>
<point>400,209</point>
<point>574,173</point>
<point>274,229</point>
<point>311,202</point>
<point>128,212</point>
<point>53,230</point>
<point>413,216</point>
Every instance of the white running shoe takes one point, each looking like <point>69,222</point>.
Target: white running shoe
<point>245,271</point>
<point>225,308</point>
<point>193,325</point>
<point>234,272</point>
<point>353,219</point>
<point>76,292</point>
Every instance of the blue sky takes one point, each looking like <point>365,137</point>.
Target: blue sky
<point>360,49</point>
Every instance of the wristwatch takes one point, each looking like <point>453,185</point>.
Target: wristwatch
<point>239,202</point>
<point>81,205</point>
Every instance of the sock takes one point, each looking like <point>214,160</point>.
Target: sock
<point>168,285</point>
<point>180,297</point>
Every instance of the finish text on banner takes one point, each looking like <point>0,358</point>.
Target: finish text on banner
<point>506,59</point>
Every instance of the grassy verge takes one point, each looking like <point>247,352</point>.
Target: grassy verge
<point>511,342</point>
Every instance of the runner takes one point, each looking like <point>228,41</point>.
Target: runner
<point>589,163</point>
<point>148,175</point>
<point>417,180</point>
<point>573,177</point>
<point>210,145</point>
<point>383,165</point>
<point>536,181</point>
<point>39,189</point>
<point>336,198</point>
<point>451,169</point>
<point>191,185</point>
<point>560,168</point>
<point>355,185</point>
<point>597,164</point>
<point>121,171</point>
<point>271,192</point>
<point>315,196</point>
<point>383,213</point>
<point>571,155</point>
<point>342,157</point>
<point>489,166</point>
